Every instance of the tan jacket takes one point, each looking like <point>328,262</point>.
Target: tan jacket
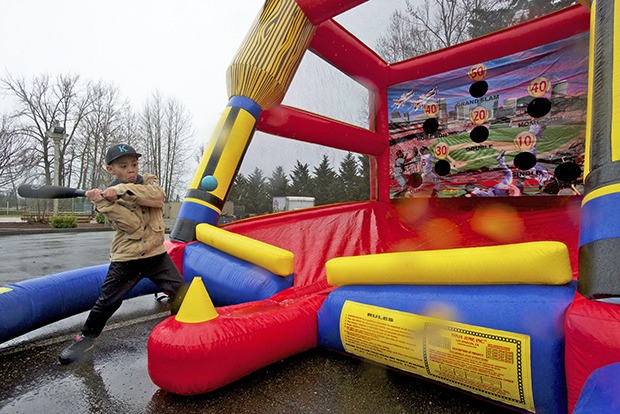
<point>138,219</point>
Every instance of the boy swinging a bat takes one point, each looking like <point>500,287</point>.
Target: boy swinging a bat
<point>133,206</point>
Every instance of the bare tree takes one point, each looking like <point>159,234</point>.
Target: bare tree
<point>443,23</point>
<point>177,146</point>
<point>39,104</point>
<point>435,24</point>
<point>401,40</point>
<point>167,130</point>
<point>129,130</point>
<point>151,124</point>
<point>16,156</point>
<point>100,128</point>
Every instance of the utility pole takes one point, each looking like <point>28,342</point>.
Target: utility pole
<point>56,133</point>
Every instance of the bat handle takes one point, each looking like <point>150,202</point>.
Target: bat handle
<point>80,193</point>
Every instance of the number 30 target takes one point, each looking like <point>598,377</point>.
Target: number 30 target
<point>441,150</point>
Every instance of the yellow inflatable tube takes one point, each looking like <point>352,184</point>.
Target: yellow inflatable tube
<point>544,262</point>
<point>272,258</point>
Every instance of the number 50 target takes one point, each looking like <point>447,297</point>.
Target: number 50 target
<point>477,72</point>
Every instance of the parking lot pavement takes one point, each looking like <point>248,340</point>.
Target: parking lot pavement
<point>116,379</point>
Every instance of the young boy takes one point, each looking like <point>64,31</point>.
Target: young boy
<point>133,206</point>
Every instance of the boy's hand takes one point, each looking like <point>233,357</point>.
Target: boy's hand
<point>94,195</point>
<point>109,194</point>
<point>97,194</point>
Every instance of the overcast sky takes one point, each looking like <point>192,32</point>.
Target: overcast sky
<point>178,48</point>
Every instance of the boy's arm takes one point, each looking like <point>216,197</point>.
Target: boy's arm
<point>121,218</point>
<point>149,194</point>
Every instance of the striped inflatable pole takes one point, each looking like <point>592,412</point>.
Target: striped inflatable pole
<point>257,79</point>
<point>599,238</point>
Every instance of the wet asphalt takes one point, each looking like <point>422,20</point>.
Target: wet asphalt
<point>116,380</point>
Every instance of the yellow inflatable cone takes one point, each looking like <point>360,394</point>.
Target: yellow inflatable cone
<point>197,306</point>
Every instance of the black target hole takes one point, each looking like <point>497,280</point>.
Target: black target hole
<point>479,134</point>
<point>431,125</point>
<point>539,107</point>
<point>478,89</point>
<point>567,172</point>
<point>525,160</point>
<point>442,167</point>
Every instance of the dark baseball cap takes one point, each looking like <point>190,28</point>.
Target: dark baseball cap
<point>119,150</point>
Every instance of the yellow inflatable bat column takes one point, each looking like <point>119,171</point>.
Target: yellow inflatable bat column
<point>257,79</point>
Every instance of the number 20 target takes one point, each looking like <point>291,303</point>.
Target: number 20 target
<point>479,115</point>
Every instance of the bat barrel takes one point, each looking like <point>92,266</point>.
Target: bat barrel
<point>48,191</point>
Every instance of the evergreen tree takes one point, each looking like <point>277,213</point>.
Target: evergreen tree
<point>483,20</point>
<point>487,17</point>
<point>258,201</point>
<point>325,183</point>
<point>363,185</point>
<point>537,8</point>
<point>301,182</point>
<point>278,183</point>
<point>349,178</point>
<point>239,194</point>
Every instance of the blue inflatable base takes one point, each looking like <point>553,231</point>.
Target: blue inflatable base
<point>600,392</point>
<point>34,303</point>
<point>534,310</point>
<point>230,280</point>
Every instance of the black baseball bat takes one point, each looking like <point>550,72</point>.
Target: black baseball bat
<point>48,191</point>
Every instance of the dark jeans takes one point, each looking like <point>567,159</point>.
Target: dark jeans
<point>122,277</point>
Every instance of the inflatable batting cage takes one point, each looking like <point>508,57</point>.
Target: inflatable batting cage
<point>499,120</point>
<point>484,256</point>
<point>503,118</point>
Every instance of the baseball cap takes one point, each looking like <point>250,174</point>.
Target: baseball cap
<point>119,150</point>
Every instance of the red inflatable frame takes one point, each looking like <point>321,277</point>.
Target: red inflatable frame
<point>286,324</point>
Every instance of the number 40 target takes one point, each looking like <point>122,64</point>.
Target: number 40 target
<point>539,87</point>
<point>431,109</point>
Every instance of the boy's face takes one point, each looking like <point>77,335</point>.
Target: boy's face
<point>125,168</point>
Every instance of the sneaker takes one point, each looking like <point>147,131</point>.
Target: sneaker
<point>79,348</point>
<point>500,155</point>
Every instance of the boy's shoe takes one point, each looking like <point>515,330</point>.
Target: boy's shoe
<point>79,348</point>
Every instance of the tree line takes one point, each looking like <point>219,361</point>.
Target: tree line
<point>437,24</point>
<point>94,116</point>
<point>350,183</point>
